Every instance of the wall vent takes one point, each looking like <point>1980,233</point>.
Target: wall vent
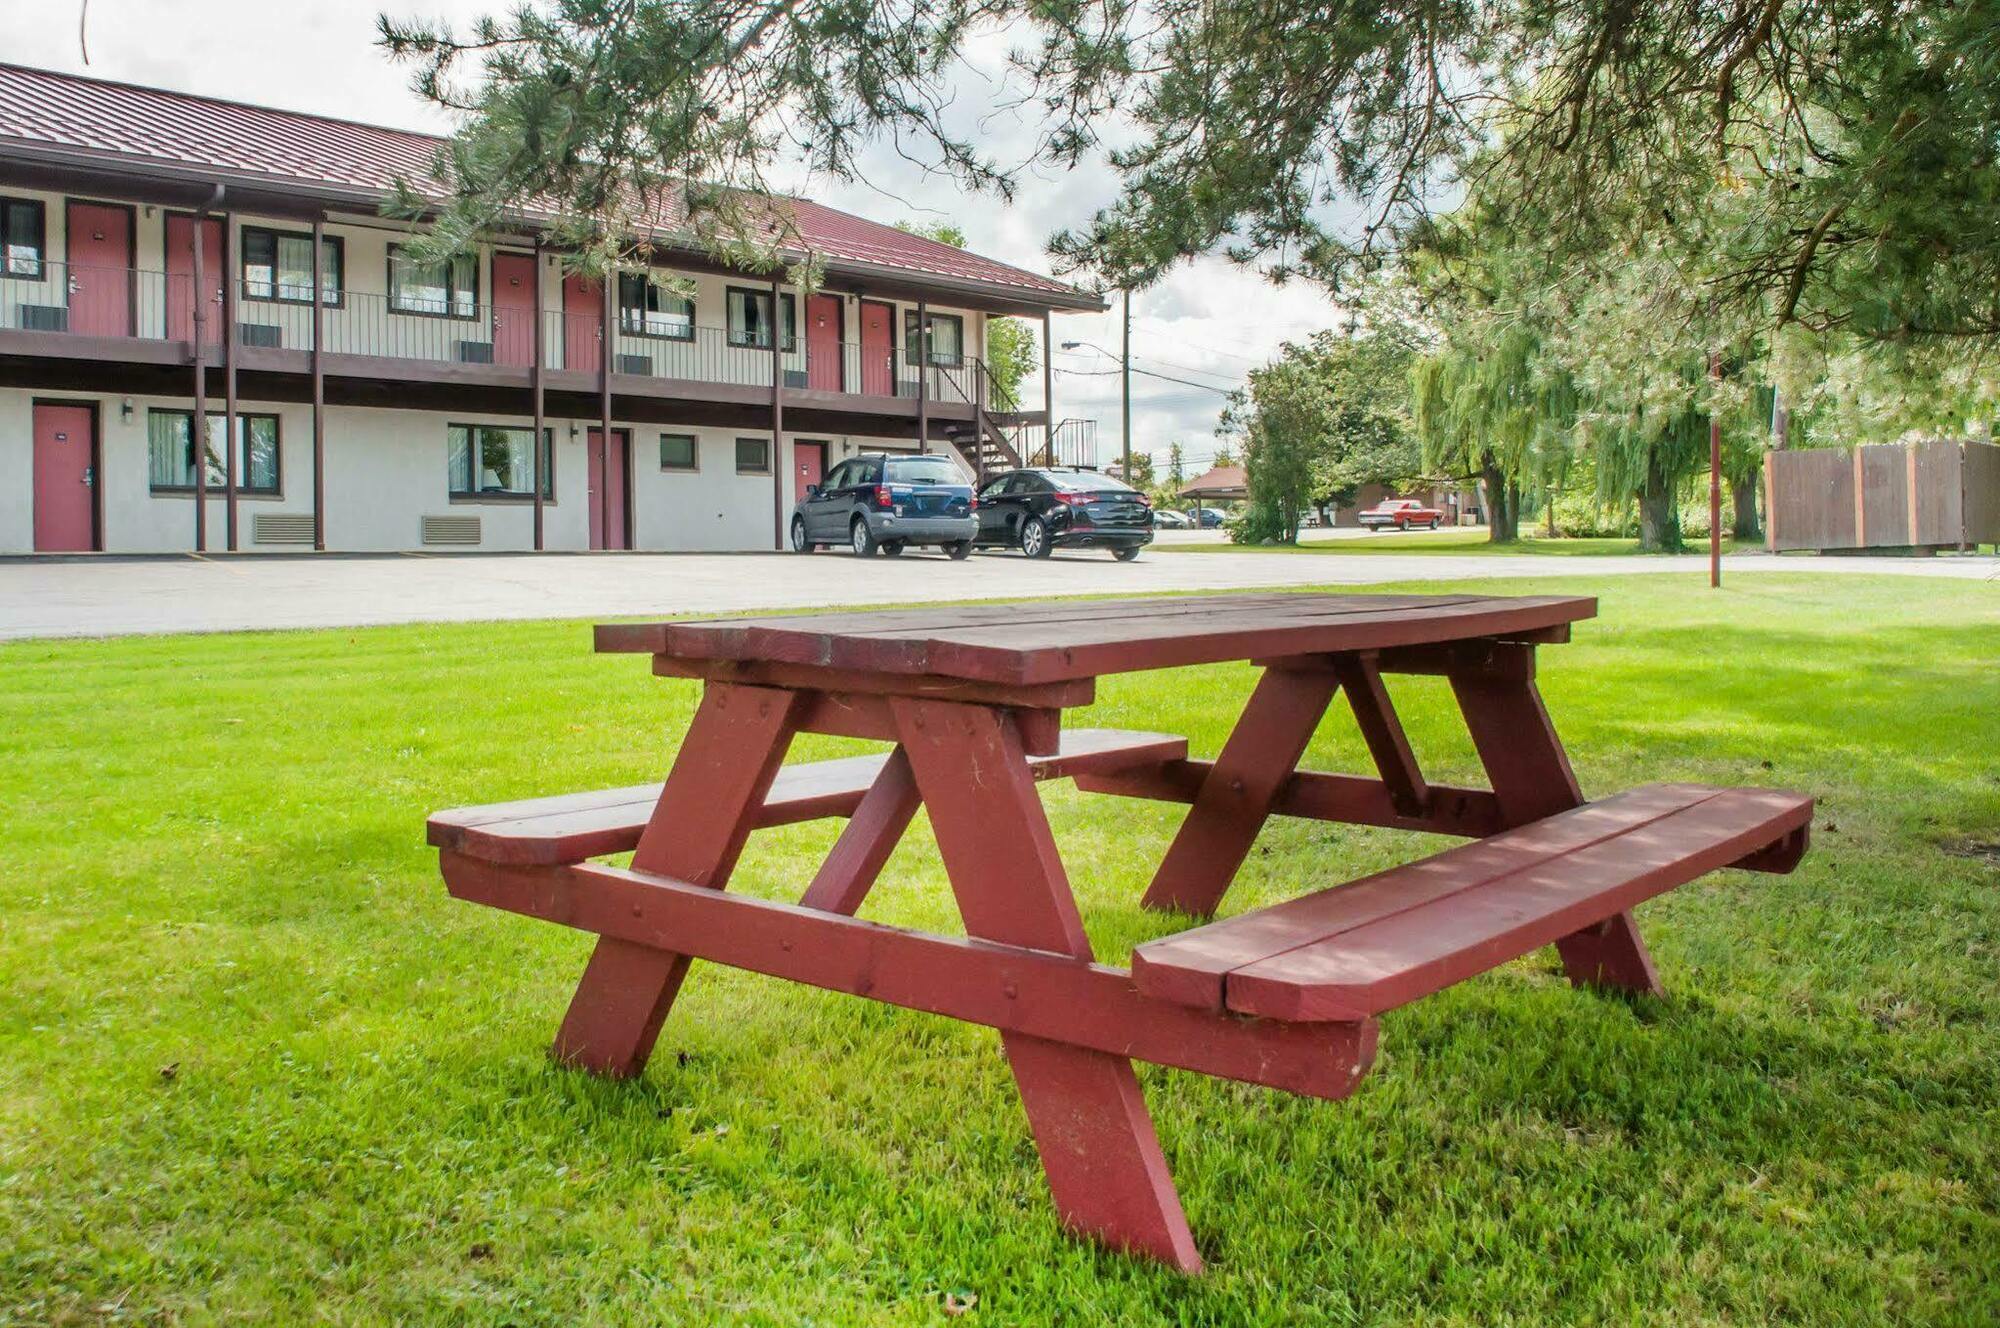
<point>281,528</point>
<point>451,530</point>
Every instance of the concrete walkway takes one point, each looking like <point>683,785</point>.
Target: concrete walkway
<point>111,596</point>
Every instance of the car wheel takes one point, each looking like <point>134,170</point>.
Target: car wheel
<point>862,538</point>
<point>1034,538</point>
<point>1435,521</point>
<point>959,551</point>
<point>893,547</point>
<point>1127,554</point>
<point>799,542</point>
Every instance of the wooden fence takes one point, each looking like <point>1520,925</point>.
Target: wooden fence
<point>1895,495</point>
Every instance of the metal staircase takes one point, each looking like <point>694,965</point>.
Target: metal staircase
<point>1007,440</point>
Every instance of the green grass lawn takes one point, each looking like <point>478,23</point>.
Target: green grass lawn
<point>1446,541</point>
<point>255,1066</point>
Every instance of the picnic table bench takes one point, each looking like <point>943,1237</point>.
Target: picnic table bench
<point>972,697</point>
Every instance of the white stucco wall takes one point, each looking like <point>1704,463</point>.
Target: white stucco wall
<point>387,469</point>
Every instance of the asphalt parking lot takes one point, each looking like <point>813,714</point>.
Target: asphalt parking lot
<point>118,596</point>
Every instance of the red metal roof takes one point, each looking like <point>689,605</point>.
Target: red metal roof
<point>123,123</point>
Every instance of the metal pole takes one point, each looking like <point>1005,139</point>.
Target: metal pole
<point>923,376</point>
<point>536,386</point>
<point>1048,375</point>
<point>230,446</point>
<point>1714,476</point>
<point>1125,373</point>
<point>319,383</point>
<point>604,408</point>
<point>198,426</point>
<point>778,467</point>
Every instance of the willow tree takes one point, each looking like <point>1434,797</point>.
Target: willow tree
<point>1490,405</point>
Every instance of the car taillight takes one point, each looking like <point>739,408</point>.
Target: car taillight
<point>1072,498</point>
<point>972,503</point>
<point>882,498</point>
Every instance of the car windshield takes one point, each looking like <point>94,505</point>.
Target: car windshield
<point>924,470</point>
<point>1086,481</point>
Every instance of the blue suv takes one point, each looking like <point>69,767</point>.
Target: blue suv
<point>888,501</point>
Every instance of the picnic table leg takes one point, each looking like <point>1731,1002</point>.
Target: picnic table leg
<point>867,840</point>
<point>1531,777</point>
<point>1106,1172</point>
<point>1236,796</point>
<point>707,809</point>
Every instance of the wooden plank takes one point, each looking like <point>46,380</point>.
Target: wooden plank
<point>1375,714</point>
<point>707,809</point>
<point>1236,796</point>
<point>1068,694</point>
<point>1191,966</point>
<point>1049,642</point>
<point>1411,953</point>
<point>571,827</point>
<point>866,842</point>
<point>1106,1171</point>
<point>1000,986</point>
<point>1317,795</point>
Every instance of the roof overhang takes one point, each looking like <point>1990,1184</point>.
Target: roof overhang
<point>29,164</point>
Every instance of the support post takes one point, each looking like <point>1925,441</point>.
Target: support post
<point>923,376</point>
<point>319,383</point>
<point>1048,378</point>
<point>198,426</point>
<point>778,468</point>
<point>607,294</point>
<point>537,388</point>
<point>230,446</point>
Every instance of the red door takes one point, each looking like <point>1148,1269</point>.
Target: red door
<point>180,276</point>
<point>608,470</point>
<point>65,472</point>
<point>878,346</point>
<point>823,366</point>
<point>583,325</point>
<point>808,464</point>
<point>513,309</point>
<point>100,270</point>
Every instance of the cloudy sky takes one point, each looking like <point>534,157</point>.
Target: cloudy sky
<point>1208,323</point>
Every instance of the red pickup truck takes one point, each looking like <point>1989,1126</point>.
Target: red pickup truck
<point>1403,514</point>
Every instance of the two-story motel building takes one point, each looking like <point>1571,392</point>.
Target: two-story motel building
<point>156,266</point>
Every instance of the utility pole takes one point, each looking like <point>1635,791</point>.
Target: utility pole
<point>1125,373</point>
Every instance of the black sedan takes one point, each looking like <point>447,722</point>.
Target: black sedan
<point>1040,510</point>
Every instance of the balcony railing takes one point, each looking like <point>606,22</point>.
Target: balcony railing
<point>129,303</point>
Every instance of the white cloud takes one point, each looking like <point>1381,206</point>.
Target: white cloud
<point>1209,321</point>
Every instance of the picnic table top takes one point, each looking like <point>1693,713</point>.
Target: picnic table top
<point>1041,641</point>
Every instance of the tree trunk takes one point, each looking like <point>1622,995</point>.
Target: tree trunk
<point>1659,514</point>
<point>1743,495</point>
<point>1501,515</point>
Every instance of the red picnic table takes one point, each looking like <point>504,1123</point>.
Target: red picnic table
<point>972,697</point>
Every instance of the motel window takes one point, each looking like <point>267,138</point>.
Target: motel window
<point>750,318</point>
<point>449,289</point>
<point>495,461</point>
<point>679,451</point>
<point>753,456</point>
<point>277,265</point>
<point>23,238</point>
<point>170,452</point>
<point>648,309</point>
<point>947,340</point>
